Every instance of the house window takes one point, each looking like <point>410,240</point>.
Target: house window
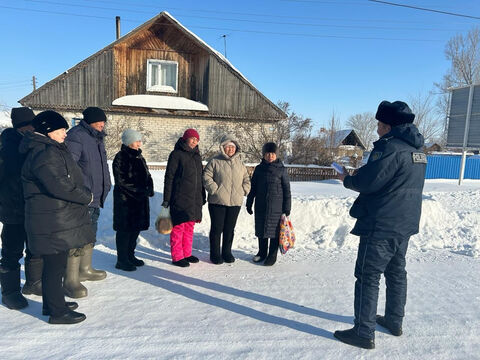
<point>162,75</point>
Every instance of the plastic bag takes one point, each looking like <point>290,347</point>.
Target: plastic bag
<point>287,236</point>
<point>163,224</point>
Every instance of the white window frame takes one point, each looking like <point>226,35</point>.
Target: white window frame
<point>161,88</point>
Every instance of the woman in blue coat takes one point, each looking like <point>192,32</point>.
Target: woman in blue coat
<point>271,192</point>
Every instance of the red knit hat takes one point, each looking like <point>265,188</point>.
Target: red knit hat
<point>190,133</point>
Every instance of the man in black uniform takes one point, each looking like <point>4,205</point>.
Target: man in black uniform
<point>388,213</point>
<point>12,216</point>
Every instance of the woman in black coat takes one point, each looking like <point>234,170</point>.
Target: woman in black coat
<point>271,192</point>
<point>56,212</point>
<point>131,208</point>
<point>184,193</point>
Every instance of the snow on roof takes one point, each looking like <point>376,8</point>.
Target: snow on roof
<point>160,102</point>
<point>217,53</point>
<point>339,136</point>
<point>5,120</point>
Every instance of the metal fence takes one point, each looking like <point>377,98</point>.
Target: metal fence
<point>448,167</point>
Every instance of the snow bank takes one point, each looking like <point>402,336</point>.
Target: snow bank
<point>320,216</point>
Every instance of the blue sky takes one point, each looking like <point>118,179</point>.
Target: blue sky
<point>320,56</point>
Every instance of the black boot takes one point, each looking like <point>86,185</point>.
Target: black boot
<point>262,250</point>
<point>394,330</point>
<point>11,295</point>
<point>132,244</point>
<point>122,241</point>
<point>227,248</point>
<point>272,253</point>
<point>351,338</point>
<point>215,256</point>
<point>71,305</point>
<point>71,317</point>
<point>181,263</point>
<point>33,277</point>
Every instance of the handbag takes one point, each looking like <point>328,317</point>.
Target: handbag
<point>286,239</point>
<point>163,224</point>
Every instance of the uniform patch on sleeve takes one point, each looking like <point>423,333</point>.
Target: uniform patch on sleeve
<point>419,158</point>
<point>376,155</point>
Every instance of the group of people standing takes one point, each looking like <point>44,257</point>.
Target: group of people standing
<point>53,186</point>
<point>226,180</point>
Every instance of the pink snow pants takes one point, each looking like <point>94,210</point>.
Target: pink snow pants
<point>181,239</point>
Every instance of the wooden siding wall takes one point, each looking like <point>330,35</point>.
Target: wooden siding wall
<point>230,96</point>
<point>88,85</point>
<point>160,42</point>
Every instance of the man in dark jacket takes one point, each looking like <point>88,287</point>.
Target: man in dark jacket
<point>12,215</point>
<point>388,213</point>
<point>86,143</point>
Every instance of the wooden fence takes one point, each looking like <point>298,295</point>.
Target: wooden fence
<point>295,173</point>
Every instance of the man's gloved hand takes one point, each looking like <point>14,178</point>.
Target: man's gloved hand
<point>165,204</point>
<point>249,210</point>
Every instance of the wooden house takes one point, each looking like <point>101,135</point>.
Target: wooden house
<point>161,79</point>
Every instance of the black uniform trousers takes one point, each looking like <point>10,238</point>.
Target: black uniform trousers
<point>223,220</point>
<point>52,289</point>
<point>126,242</point>
<point>378,256</point>
<point>14,240</point>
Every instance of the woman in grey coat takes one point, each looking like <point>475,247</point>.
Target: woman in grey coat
<point>227,181</point>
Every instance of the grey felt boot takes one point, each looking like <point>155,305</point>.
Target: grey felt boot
<point>87,272</point>
<point>71,282</point>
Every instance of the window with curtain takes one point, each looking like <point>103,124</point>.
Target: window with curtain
<point>162,75</point>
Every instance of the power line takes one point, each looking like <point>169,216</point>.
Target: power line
<point>238,30</point>
<point>426,9</point>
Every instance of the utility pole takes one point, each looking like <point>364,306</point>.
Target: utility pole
<point>225,44</point>
<point>34,82</point>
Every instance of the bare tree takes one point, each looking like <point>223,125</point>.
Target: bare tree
<point>427,118</point>
<point>365,126</point>
<point>463,52</point>
<point>283,132</point>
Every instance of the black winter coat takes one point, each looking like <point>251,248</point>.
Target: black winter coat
<point>133,186</point>
<point>12,210</point>
<point>271,191</point>
<point>390,185</point>
<point>56,199</point>
<point>88,149</point>
<point>183,188</point>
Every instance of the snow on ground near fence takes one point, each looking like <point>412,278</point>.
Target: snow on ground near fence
<point>288,311</point>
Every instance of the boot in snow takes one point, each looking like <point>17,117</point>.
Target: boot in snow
<point>351,338</point>
<point>71,282</point>
<point>215,256</point>
<point>71,317</point>
<point>87,272</point>
<point>227,248</point>
<point>11,295</point>
<point>33,277</point>
<point>396,331</point>
<point>272,253</point>
<point>262,250</point>
<point>122,242</point>
<point>131,253</point>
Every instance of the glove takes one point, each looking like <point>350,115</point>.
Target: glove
<point>249,210</point>
<point>165,204</point>
<point>287,213</point>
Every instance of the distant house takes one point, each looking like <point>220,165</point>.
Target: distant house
<point>432,147</point>
<point>345,144</point>
<point>164,77</point>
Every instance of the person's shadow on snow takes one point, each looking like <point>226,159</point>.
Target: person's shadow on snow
<point>169,280</point>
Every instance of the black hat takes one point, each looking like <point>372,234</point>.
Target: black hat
<point>93,114</point>
<point>21,116</point>
<point>269,147</point>
<point>395,113</point>
<point>48,121</point>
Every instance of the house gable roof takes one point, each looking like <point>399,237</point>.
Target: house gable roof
<point>163,16</point>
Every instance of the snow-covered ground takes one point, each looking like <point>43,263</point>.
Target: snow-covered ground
<point>288,311</point>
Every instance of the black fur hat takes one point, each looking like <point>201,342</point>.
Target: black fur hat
<point>21,116</point>
<point>48,121</point>
<point>93,114</point>
<point>269,147</point>
<point>395,113</point>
